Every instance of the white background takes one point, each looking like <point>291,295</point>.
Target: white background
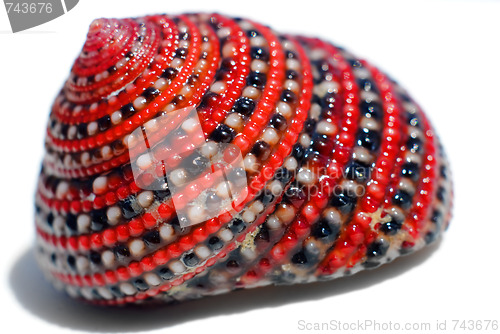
<point>445,52</point>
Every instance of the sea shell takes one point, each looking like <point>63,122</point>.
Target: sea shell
<point>195,154</point>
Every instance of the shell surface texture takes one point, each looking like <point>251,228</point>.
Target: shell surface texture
<point>195,154</point>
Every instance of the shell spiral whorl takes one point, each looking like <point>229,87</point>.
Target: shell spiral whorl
<point>339,169</point>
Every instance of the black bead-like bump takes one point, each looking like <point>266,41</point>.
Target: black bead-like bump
<point>258,80</point>
<point>71,262</point>
<point>367,85</point>
<point>222,134</point>
<point>181,53</point>
<point>244,106</point>
<point>50,219</point>
<point>377,249</point>
<point>215,243</point>
<point>190,260</point>
<point>391,227</point>
<point>116,292</point>
<point>259,53</point>
<point>436,217</point>
<point>262,235</point>
<point>288,96</point>
<point>413,120</point>
<point>283,175</point>
<point>237,225</point>
<point>295,194</point>
<point>253,33</point>
<point>140,285</point>
<point>81,130</point>
<point>299,258</point>
<point>165,273</point>
<point>71,222</point>
<point>150,93</point>
<point>328,101</point>
<point>322,229</point>
<point>127,110</point>
<point>414,144</point>
<point>430,237</point>
<point>95,257</point>
<point>99,220</point>
<point>261,150</point>
<point>369,139</point>
<point>291,75</point>
<point>344,202</point>
<point>357,171</point>
<point>440,194</point>
<point>403,199</point>
<point>298,152</point>
<point>410,170</point>
<point>121,251</point>
<point>355,63</point>
<point>310,126</point>
<point>227,64</point>
<point>371,109</point>
<point>267,197</point>
<point>278,122</point>
<point>169,73</point>
<point>152,238</point>
<point>130,208</point>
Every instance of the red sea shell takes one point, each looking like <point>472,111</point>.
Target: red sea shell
<point>195,154</point>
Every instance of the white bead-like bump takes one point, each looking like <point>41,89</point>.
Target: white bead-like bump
<point>114,215</point>
<point>223,189</point>
<point>127,289</point>
<point>284,109</point>
<point>273,222</point>
<point>83,223</point>
<point>226,235</point>
<point>190,125</point>
<point>209,149</point>
<point>152,279</point>
<point>144,161</point>
<point>202,252</point>
<point>161,83</point>
<point>196,213</point>
<point>108,258</point>
<point>290,164</point>
<point>306,176</point>
<point>178,176</point>
<point>258,41</point>
<point>251,92</point>
<point>140,103</point>
<point>166,232</point>
<point>145,198</point>
<point>218,87</point>
<point>248,216</point>
<point>270,136</point>
<point>326,128</point>
<point>234,120</point>
<point>104,292</point>
<point>177,267</point>
<point>259,66</point>
<point>136,247</point>
<point>82,264</point>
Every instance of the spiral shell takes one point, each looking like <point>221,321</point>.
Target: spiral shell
<point>195,154</point>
